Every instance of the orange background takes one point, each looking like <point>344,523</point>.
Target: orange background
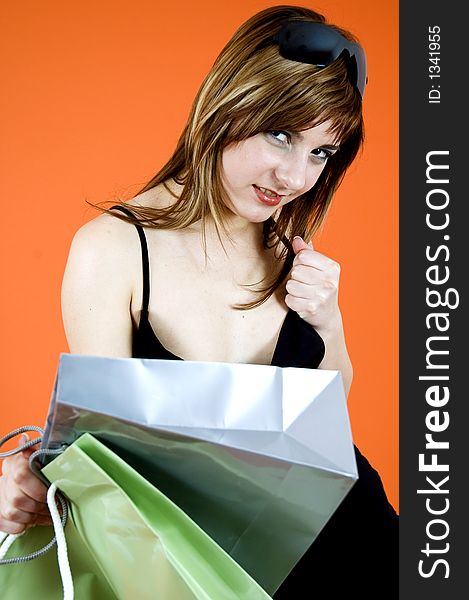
<point>94,96</point>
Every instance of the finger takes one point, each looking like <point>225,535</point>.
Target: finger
<point>317,260</point>
<point>299,305</point>
<point>27,451</point>
<point>15,527</point>
<point>306,274</point>
<point>314,283</point>
<point>43,520</point>
<point>307,309</point>
<point>17,469</point>
<point>15,515</point>
<point>24,453</point>
<point>24,437</point>
<point>10,527</point>
<point>299,244</point>
<point>302,290</point>
<point>31,486</point>
<point>18,500</point>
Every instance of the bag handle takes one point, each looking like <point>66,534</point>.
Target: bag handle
<point>35,469</point>
<point>58,521</point>
<point>24,446</point>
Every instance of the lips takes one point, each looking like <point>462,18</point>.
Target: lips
<point>267,196</point>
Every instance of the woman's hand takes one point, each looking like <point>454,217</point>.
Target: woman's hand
<point>22,494</point>
<point>313,287</point>
<point>312,291</point>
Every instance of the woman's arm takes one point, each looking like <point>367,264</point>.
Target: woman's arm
<point>102,269</point>
<point>336,356</point>
<point>97,288</point>
<point>313,290</point>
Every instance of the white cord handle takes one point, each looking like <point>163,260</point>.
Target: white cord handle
<point>62,554</point>
<point>6,542</point>
<point>58,521</point>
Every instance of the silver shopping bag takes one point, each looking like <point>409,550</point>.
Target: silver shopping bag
<point>259,456</point>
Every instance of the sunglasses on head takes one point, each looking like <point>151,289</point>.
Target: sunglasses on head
<point>319,44</point>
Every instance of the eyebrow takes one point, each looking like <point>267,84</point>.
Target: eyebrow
<point>299,136</point>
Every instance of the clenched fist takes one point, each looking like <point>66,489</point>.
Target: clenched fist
<point>22,494</point>
<point>313,286</point>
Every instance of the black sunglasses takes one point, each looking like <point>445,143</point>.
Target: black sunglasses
<point>319,44</point>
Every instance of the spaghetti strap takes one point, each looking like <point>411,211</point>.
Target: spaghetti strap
<point>145,258</point>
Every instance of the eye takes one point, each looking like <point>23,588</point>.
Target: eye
<point>280,136</point>
<point>322,154</point>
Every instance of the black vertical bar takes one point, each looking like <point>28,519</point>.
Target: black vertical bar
<point>434,363</point>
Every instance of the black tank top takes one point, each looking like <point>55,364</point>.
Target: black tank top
<point>298,344</point>
<point>356,553</point>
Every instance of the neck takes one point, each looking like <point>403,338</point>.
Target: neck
<point>235,231</point>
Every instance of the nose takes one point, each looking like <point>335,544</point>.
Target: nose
<point>291,172</point>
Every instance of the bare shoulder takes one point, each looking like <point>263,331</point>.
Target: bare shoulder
<point>111,243</point>
<point>103,254</point>
<point>105,238</point>
<point>98,286</point>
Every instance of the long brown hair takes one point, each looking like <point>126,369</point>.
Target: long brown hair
<point>252,89</point>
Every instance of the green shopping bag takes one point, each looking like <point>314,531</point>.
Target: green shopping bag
<point>125,539</point>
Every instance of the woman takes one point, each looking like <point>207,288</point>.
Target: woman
<point>224,269</point>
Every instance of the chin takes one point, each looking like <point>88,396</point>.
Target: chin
<point>257,217</point>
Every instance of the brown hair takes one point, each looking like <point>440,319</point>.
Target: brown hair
<point>252,89</point>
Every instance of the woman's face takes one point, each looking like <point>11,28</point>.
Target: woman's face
<point>271,169</point>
